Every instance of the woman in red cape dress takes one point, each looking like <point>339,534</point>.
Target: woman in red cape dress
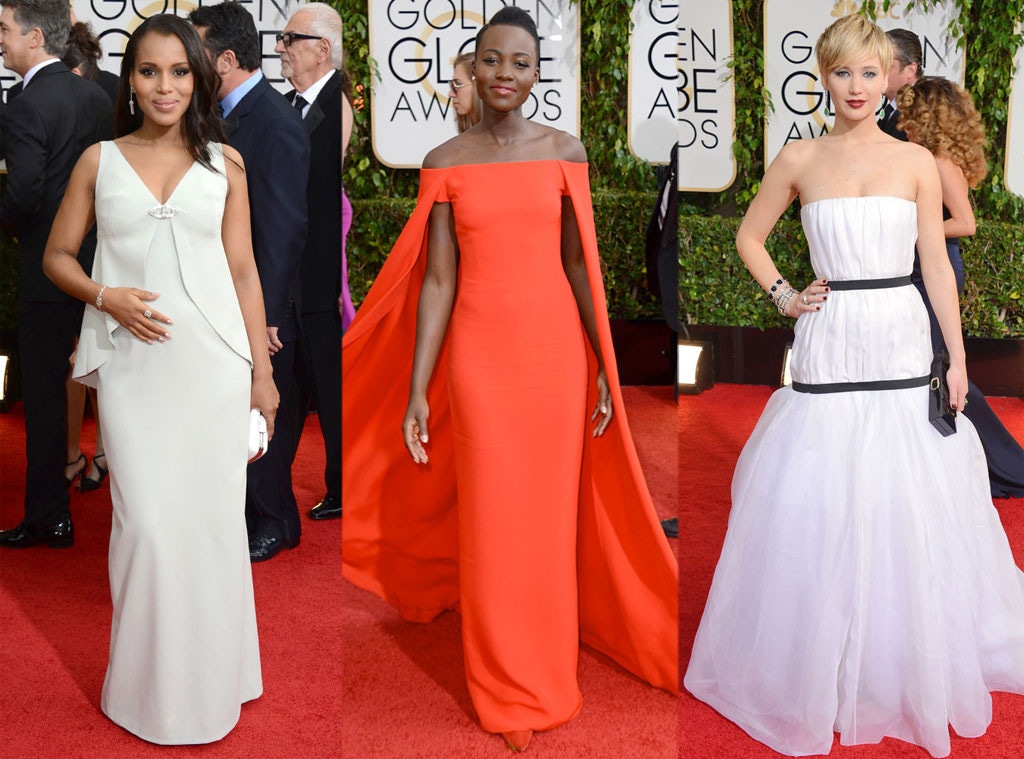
<point>543,533</point>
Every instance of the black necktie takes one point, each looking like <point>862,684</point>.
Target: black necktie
<point>299,103</point>
<point>887,112</point>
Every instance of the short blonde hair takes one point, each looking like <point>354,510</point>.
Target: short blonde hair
<point>851,38</point>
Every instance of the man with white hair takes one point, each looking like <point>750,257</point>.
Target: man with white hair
<point>310,50</point>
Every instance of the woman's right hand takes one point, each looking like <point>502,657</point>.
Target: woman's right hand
<point>129,308</point>
<point>810,298</point>
<point>414,428</point>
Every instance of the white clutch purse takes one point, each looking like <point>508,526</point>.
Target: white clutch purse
<point>258,442</point>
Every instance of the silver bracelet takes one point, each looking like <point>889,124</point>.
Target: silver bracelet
<point>781,293</point>
<point>99,298</point>
<point>783,298</point>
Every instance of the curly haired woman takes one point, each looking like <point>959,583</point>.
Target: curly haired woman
<point>940,115</point>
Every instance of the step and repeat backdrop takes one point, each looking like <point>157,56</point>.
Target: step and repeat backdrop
<point>413,44</point>
<point>113,22</point>
<point>798,107</point>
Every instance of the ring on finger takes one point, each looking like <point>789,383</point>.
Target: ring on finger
<point>147,313</point>
<point>804,299</point>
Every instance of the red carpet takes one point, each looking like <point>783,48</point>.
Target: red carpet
<point>713,427</point>
<point>55,631</point>
<point>404,684</point>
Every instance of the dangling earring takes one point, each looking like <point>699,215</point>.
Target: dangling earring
<point>131,101</point>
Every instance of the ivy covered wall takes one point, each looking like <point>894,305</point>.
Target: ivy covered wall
<point>714,287</point>
<point>623,186</point>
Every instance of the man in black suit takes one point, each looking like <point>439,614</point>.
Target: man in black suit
<point>310,50</point>
<point>47,127</point>
<point>906,68</point>
<point>269,134</point>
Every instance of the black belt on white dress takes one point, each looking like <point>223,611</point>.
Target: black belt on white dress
<point>869,284</point>
<point>849,387</point>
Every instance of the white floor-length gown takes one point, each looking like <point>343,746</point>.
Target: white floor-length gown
<point>866,585</point>
<point>184,653</point>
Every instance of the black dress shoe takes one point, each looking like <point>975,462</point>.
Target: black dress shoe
<point>264,547</point>
<point>328,508</point>
<point>671,527</point>
<point>60,535</point>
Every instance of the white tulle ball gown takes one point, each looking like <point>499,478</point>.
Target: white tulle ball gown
<point>866,586</point>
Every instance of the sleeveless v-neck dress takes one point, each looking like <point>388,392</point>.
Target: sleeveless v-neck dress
<point>183,647</point>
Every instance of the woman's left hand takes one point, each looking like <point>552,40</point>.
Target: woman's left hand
<point>956,380</point>
<point>603,406</point>
<point>264,397</point>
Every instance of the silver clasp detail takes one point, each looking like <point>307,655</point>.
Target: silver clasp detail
<point>162,212</point>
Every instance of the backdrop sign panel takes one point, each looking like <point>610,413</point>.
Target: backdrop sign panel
<point>113,22</point>
<point>791,27</point>
<point>413,43</point>
<point>1014,170</point>
<point>707,106</point>
<point>653,80</point>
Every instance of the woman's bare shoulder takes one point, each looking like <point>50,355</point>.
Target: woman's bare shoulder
<point>232,154</point>
<point>447,154</point>
<point>567,147</point>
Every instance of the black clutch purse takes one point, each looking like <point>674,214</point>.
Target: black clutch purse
<point>942,417</point>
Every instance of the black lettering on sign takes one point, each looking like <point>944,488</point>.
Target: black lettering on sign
<point>694,96</point>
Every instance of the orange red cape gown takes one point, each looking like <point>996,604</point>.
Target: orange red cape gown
<point>400,524</point>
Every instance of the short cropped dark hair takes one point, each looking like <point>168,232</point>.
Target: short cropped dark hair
<point>229,26</point>
<point>510,15</point>
<point>906,48</point>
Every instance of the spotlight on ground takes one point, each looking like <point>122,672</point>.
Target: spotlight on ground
<point>694,368</point>
<point>4,362</point>
<point>785,378</point>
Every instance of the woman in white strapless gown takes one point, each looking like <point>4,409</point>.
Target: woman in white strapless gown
<point>174,339</point>
<point>866,586</point>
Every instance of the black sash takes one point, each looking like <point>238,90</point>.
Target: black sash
<point>869,284</point>
<point>847,387</point>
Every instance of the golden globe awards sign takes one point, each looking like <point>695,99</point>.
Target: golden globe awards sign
<point>1014,170</point>
<point>113,22</point>
<point>791,71</point>
<point>653,80</point>
<point>707,113</point>
<point>413,43</point>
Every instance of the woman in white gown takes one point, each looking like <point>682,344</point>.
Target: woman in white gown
<point>174,339</point>
<point>865,585</point>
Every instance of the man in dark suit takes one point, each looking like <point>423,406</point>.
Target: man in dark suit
<point>906,68</point>
<point>269,134</point>
<point>310,50</point>
<point>47,127</point>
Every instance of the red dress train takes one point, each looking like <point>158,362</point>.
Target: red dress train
<point>543,535</point>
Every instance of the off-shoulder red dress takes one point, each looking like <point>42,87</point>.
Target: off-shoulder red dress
<point>541,534</point>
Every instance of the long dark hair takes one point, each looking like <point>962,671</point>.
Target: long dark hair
<point>202,123</point>
<point>83,51</point>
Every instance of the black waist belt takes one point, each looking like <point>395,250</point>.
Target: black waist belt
<point>848,387</point>
<point>869,284</point>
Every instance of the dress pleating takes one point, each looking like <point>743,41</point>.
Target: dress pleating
<point>184,653</point>
<point>540,533</point>
<point>866,585</point>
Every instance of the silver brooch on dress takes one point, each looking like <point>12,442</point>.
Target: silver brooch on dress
<point>162,212</point>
